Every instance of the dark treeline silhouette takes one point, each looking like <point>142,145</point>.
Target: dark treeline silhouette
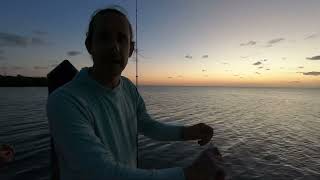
<point>22,81</point>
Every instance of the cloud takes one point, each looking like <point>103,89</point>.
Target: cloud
<point>1,51</point>
<point>250,43</point>
<point>312,36</point>
<point>257,63</point>
<point>188,57</point>
<point>39,67</point>
<point>274,41</point>
<point>37,41</point>
<point>313,58</point>
<point>38,32</point>
<point>300,67</point>
<point>265,60</point>
<point>9,39</point>
<point>284,58</point>
<point>225,63</point>
<point>203,70</point>
<point>257,73</point>
<point>260,67</point>
<point>73,53</point>
<point>169,77</point>
<point>14,40</point>
<point>267,69</point>
<point>312,73</point>
<point>205,56</point>
<point>2,58</point>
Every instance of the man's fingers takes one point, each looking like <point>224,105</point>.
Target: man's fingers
<point>205,137</point>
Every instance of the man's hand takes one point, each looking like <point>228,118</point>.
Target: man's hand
<point>201,132</point>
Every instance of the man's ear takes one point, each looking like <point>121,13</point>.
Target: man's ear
<point>88,45</point>
<point>132,44</point>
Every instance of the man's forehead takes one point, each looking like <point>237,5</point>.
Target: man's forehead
<point>111,19</point>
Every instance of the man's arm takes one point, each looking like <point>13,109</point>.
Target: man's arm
<point>166,132</point>
<point>83,152</point>
<point>155,129</point>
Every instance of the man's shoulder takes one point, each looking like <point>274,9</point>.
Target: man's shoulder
<point>61,94</point>
<point>129,87</point>
<point>64,89</point>
<point>72,90</point>
<point>128,83</point>
<point>127,80</point>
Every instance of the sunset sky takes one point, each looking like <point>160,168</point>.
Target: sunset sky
<point>181,42</point>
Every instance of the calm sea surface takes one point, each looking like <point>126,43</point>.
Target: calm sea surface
<point>263,133</point>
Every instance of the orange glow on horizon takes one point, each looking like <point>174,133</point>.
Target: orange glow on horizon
<point>227,81</point>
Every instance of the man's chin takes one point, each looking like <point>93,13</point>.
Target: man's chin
<point>113,72</point>
<point>110,70</point>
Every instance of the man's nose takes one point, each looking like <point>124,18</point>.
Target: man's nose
<point>114,46</point>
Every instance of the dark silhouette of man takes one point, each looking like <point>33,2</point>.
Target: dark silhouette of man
<point>94,119</point>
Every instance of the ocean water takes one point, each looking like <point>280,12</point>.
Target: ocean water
<point>262,133</point>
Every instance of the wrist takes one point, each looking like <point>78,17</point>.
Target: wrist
<point>184,133</point>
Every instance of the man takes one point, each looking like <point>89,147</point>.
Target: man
<point>94,118</point>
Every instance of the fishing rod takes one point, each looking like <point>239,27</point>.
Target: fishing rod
<point>137,43</point>
<point>137,135</point>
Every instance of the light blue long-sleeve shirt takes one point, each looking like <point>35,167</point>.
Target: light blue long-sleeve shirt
<point>94,131</point>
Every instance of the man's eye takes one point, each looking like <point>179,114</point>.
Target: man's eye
<point>122,38</point>
<point>103,37</point>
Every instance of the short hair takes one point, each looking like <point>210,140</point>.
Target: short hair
<point>112,9</point>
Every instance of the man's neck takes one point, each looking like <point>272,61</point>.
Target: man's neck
<point>110,82</point>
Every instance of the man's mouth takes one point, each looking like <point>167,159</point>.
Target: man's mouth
<point>116,62</point>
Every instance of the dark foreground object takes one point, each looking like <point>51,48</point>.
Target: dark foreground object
<point>6,154</point>
<point>59,76</point>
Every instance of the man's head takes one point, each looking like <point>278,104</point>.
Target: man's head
<point>109,41</point>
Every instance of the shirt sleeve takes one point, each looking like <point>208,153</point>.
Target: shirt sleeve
<point>155,129</point>
<point>83,152</point>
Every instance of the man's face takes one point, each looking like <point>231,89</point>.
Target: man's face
<point>110,44</point>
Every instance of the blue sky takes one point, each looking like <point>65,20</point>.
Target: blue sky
<point>183,42</point>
